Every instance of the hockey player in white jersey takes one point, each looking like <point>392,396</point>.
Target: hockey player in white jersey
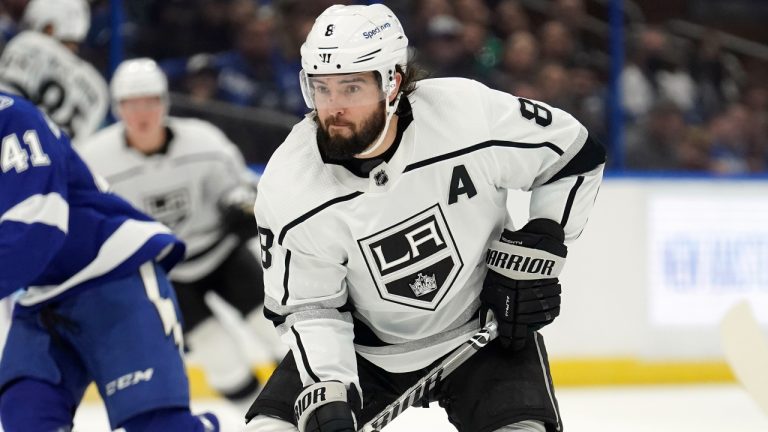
<point>188,175</point>
<point>379,218</point>
<point>41,64</point>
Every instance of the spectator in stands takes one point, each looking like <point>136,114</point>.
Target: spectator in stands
<point>200,81</point>
<point>509,17</point>
<point>570,12</point>
<point>472,11</point>
<point>8,27</point>
<point>240,11</point>
<point>733,151</point>
<point>485,48</point>
<point>587,98</point>
<point>756,100</point>
<point>526,89</point>
<point>556,42</point>
<point>695,149</point>
<point>586,37</point>
<point>247,74</point>
<point>553,82</point>
<point>653,143</point>
<point>443,52</point>
<point>714,77</point>
<point>521,56</point>
<point>421,13</point>
<point>674,80</point>
<point>654,73</point>
<point>168,30</point>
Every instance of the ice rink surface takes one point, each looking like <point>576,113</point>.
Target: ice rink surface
<point>695,408</point>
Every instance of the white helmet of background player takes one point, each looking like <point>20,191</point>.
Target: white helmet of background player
<point>69,19</point>
<point>351,39</point>
<point>136,78</point>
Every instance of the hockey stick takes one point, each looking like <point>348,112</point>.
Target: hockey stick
<point>746,351</point>
<point>422,388</point>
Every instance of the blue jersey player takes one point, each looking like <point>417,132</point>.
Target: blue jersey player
<point>96,303</point>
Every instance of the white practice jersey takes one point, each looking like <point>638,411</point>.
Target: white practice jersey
<point>404,249</point>
<point>66,87</point>
<point>180,187</point>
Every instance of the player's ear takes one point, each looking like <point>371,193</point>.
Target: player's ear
<point>48,29</point>
<point>398,83</point>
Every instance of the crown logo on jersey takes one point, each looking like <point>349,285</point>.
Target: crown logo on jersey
<point>424,285</point>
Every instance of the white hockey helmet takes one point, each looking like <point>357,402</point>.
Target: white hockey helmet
<point>351,39</point>
<point>70,19</point>
<point>138,78</point>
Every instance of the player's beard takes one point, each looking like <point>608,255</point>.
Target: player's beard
<point>341,147</point>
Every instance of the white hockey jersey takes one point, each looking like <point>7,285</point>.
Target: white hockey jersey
<point>395,262</point>
<point>64,86</point>
<point>180,187</point>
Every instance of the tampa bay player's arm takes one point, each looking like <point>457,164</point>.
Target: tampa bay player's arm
<point>34,213</point>
<point>306,298</point>
<point>551,154</point>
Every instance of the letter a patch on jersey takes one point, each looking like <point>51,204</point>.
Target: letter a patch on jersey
<point>414,262</point>
<point>461,184</point>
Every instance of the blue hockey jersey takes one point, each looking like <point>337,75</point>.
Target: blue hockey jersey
<point>60,229</point>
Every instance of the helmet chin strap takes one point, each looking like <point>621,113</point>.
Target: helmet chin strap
<point>391,109</point>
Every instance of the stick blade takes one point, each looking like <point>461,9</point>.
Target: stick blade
<point>746,350</point>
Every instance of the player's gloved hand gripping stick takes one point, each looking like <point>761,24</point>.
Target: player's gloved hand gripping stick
<point>522,286</point>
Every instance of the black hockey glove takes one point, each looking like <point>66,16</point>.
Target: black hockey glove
<point>236,209</point>
<point>521,287</point>
<point>327,407</point>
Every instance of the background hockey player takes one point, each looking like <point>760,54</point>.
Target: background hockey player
<point>376,216</point>
<point>42,65</point>
<point>188,175</point>
<point>97,304</point>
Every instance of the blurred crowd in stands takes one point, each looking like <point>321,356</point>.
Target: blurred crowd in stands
<point>689,104</point>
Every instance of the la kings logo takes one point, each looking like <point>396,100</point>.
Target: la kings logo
<point>414,262</point>
<point>171,208</point>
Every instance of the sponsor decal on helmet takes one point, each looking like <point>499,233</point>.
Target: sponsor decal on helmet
<point>371,33</point>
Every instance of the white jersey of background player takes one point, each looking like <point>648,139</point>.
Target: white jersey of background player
<point>185,173</point>
<point>178,185</point>
<point>376,216</point>
<point>41,64</point>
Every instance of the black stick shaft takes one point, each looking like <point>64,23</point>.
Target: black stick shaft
<point>426,384</point>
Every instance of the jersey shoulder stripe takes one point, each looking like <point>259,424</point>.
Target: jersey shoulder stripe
<point>481,146</point>
<point>313,212</point>
<point>48,209</point>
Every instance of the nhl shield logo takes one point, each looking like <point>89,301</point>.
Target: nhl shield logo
<point>414,262</point>
<point>381,178</point>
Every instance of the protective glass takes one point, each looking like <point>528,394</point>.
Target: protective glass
<point>342,90</point>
